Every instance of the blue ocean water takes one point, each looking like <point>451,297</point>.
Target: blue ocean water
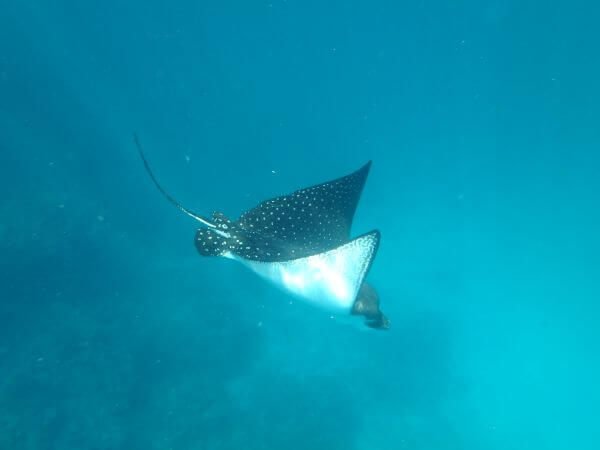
<point>481,118</point>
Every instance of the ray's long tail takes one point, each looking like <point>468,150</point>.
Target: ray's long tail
<point>165,193</point>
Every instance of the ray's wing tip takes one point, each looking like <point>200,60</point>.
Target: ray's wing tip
<point>376,235</point>
<point>365,169</point>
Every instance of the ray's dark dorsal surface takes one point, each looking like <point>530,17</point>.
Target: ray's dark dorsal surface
<point>301,243</point>
<point>304,223</point>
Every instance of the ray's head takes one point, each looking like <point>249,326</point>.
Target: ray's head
<point>210,243</point>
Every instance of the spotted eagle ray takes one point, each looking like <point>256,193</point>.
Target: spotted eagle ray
<point>301,243</point>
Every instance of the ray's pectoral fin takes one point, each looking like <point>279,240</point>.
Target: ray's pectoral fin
<point>367,305</point>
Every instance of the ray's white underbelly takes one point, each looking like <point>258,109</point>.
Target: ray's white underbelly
<point>320,279</point>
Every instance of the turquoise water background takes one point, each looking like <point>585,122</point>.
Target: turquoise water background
<point>482,121</point>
